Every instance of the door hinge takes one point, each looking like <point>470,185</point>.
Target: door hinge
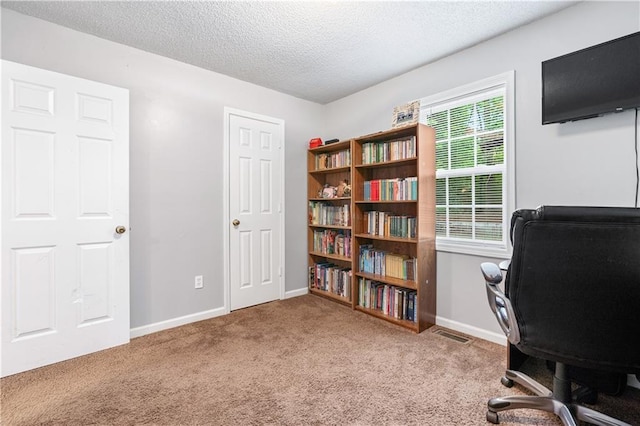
<point>280,271</point>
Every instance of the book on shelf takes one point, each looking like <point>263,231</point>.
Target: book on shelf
<point>312,276</point>
<point>331,160</point>
<point>387,224</point>
<point>397,189</point>
<point>331,241</point>
<point>331,278</point>
<point>379,262</point>
<point>393,301</point>
<point>380,152</point>
<point>322,213</point>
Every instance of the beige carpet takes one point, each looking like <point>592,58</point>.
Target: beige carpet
<point>301,361</point>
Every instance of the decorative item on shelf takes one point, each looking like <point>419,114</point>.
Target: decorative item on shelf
<point>405,115</point>
<point>328,191</point>
<point>315,142</point>
<point>344,189</point>
<point>330,141</point>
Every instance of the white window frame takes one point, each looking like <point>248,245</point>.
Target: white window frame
<point>466,94</point>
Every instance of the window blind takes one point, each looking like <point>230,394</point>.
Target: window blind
<point>470,164</point>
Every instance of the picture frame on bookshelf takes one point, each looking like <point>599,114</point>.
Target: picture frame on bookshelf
<point>405,115</point>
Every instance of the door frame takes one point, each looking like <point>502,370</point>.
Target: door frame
<point>226,218</point>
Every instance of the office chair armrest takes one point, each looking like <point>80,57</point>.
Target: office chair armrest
<point>492,274</point>
<point>499,303</point>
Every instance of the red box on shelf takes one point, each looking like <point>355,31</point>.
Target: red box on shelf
<point>315,142</point>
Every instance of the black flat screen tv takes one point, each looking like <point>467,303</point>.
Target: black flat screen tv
<point>593,81</point>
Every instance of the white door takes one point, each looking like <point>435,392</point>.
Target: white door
<point>255,227</point>
<point>65,268</point>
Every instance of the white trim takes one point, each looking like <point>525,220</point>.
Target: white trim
<point>176,322</point>
<point>228,111</point>
<point>451,95</point>
<point>479,95</point>
<point>510,153</point>
<point>295,293</point>
<point>225,212</point>
<point>200,316</point>
<point>463,94</point>
<point>282,213</point>
<point>484,251</point>
<point>498,338</point>
<point>467,171</point>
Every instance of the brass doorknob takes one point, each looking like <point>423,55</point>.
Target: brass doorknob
<point>236,222</point>
<point>120,229</point>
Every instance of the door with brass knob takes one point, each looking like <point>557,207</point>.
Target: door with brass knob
<point>255,189</point>
<point>120,229</point>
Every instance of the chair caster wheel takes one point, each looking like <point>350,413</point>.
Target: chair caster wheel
<point>492,417</point>
<point>506,382</point>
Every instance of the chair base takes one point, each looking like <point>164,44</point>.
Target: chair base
<point>568,412</point>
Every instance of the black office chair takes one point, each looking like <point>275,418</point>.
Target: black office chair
<point>572,296</point>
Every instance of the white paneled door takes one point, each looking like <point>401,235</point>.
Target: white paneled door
<point>65,217</point>
<point>256,231</point>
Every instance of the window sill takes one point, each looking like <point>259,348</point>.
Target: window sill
<point>478,250</point>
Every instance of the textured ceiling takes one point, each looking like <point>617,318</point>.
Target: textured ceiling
<point>320,51</point>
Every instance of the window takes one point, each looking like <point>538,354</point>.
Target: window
<point>474,159</point>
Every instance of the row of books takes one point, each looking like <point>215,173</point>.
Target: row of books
<point>331,241</point>
<point>397,302</point>
<point>390,225</point>
<point>379,152</point>
<point>380,262</point>
<point>331,278</point>
<point>324,214</point>
<point>391,189</point>
<point>333,159</point>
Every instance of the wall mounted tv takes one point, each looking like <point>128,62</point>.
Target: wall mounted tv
<point>593,81</point>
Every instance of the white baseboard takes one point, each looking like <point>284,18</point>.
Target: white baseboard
<point>296,293</point>
<point>176,322</point>
<point>500,339</point>
<point>200,316</point>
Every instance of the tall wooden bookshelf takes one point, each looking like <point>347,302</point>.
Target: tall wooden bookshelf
<point>330,219</point>
<point>392,224</point>
<point>394,179</point>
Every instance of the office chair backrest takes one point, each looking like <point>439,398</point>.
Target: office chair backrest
<point>574,282</point>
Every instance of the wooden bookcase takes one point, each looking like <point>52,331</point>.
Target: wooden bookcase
<point>404,233</point>
<point>323,260</point>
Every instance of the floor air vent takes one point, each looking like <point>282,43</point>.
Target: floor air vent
<point>452,336</point>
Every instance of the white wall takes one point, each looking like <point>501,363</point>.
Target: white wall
<point>176,137</point>
<point>176,149</point>
<point>591,162</point>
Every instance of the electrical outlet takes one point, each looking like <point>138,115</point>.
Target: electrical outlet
<point>199,281</point>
